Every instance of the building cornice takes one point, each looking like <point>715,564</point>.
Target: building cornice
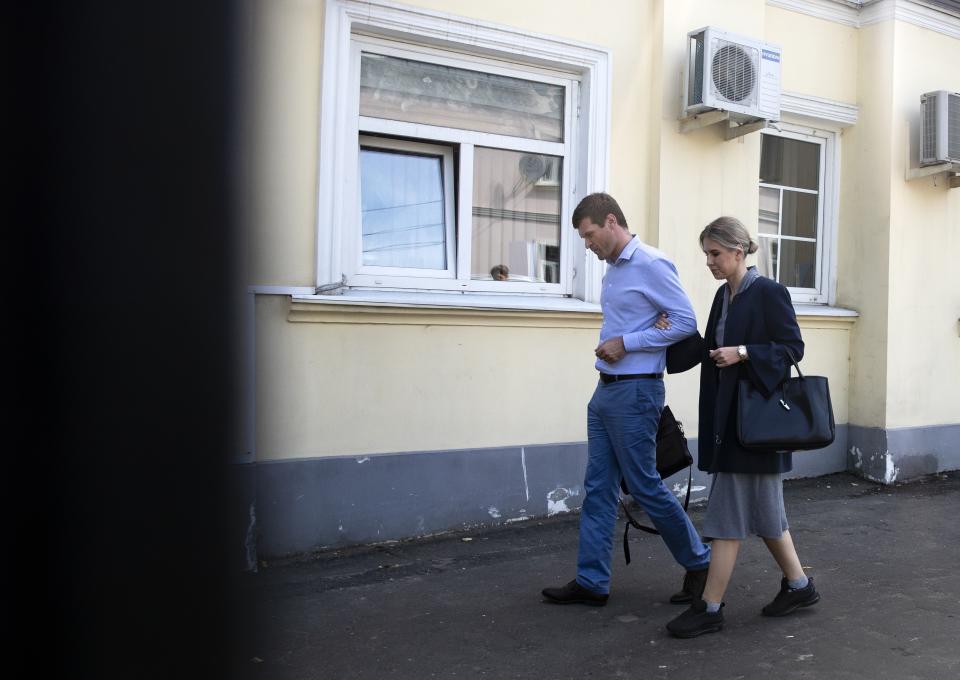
<point>860,14</point>
<point>837,12</point>
<point>839,113</point>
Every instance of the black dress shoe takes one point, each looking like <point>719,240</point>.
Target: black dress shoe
<point>696,621</point>
<point>574,593</point>
<point>692,590</point>
<point>788,601</point>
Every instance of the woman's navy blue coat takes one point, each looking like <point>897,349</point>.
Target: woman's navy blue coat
<point>763,319</point>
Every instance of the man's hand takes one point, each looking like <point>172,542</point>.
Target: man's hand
<point>612,350</point>
<point>725,356</point>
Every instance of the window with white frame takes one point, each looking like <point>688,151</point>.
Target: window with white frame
<point>795,227</point>
<point>452,163</point>
<point>460,173</point>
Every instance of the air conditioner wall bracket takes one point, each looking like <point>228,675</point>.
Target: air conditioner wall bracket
<point>702,120</point>
<point>927,170</point>
<point>734,131</point>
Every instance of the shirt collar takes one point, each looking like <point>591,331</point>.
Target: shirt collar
<point>628,250</point>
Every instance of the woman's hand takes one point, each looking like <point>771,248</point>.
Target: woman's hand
<point>663,323</point>
<point>725,356</point>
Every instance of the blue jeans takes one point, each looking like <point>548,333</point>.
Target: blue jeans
<point>622,421</point>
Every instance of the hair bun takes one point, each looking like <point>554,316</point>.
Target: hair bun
<point>753,247</point>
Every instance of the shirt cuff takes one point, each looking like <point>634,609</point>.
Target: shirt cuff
<point>632,341</point>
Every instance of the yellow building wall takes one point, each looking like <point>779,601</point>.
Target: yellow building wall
<point>923,363</point>
<point>282,125</point>
<point>825,67</point>
<point>863,237</point>
<point>335,380</point>
<point>341,382</point>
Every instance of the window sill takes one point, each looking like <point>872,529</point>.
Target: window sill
<point>444,309</point>
<point>824,316</point>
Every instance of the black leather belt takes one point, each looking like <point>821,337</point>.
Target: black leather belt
<point>607,378</point>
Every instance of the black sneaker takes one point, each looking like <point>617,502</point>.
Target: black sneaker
<point>696,621</point>
<point>692,590</point>
<point>574,593</point>
<point>788,601</point>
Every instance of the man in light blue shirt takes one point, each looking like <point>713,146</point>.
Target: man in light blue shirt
<point>624,413</point>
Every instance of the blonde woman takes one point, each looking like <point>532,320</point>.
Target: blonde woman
<point>751,327</point>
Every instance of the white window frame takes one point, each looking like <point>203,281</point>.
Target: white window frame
<point>824,290</point>
<point>348,23</point>
<point>355,236</point>
<point>465,140</point>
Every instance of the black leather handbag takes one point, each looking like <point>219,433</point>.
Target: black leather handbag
<point>684,355</point>
<point>797,416</point>
<point>673,455</point>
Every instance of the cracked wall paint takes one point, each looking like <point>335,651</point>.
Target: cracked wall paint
<point>891,471</point>
<point>857,454</point>
<point>557,499</point>
<point>878,467</point>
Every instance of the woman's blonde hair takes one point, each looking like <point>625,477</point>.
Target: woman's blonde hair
<point>730,233</point>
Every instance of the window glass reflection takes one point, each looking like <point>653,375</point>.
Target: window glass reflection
<point>402,207</point>
<point>790,162</point>
<point>516,216</point>
<point>418,92</point>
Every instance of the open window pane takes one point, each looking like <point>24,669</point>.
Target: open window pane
<point>402,207</point>
<point>769,222</point>
<point>798,264</point>
<point>418,92</point>
<point>799,214</point>
<point>516,215</point>
<point>767,257</point>
<point>790,162</point>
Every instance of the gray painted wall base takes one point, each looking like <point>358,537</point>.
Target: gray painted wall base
<point>902,454</point>
<point>302,505</point>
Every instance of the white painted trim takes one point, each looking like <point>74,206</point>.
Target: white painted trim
<point>912,13</point>
<point>830,10</point>
<point>451,300</point>
<point>824,310</point>
<point>457,136</point>
<point>829,110</point>
<point>281,290</point>
<point>860,14</point>
<point>828,191</point>
<point>445,154</point>
<point>381,18</point>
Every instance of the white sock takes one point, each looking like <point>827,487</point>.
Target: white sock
<point>713,607</point>
<point>797,583</point>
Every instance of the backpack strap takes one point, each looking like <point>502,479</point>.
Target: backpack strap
<point>631,521</point>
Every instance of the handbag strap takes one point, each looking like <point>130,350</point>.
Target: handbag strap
<point>631,521</point>
<point>794,360</point>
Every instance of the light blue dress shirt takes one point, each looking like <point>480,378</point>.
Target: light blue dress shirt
<point>640,285</point>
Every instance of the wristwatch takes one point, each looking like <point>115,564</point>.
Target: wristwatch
<point>742,352</point>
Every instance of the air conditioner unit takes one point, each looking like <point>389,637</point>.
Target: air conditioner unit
<point>732,73</point>
<point>940,128</point>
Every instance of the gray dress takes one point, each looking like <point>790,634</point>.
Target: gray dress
<point>744,503</point>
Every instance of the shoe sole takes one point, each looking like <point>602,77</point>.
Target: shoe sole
<point>798,605</point>
<point>716,628</point>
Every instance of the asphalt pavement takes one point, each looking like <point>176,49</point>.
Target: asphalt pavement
<point>468,605</point>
